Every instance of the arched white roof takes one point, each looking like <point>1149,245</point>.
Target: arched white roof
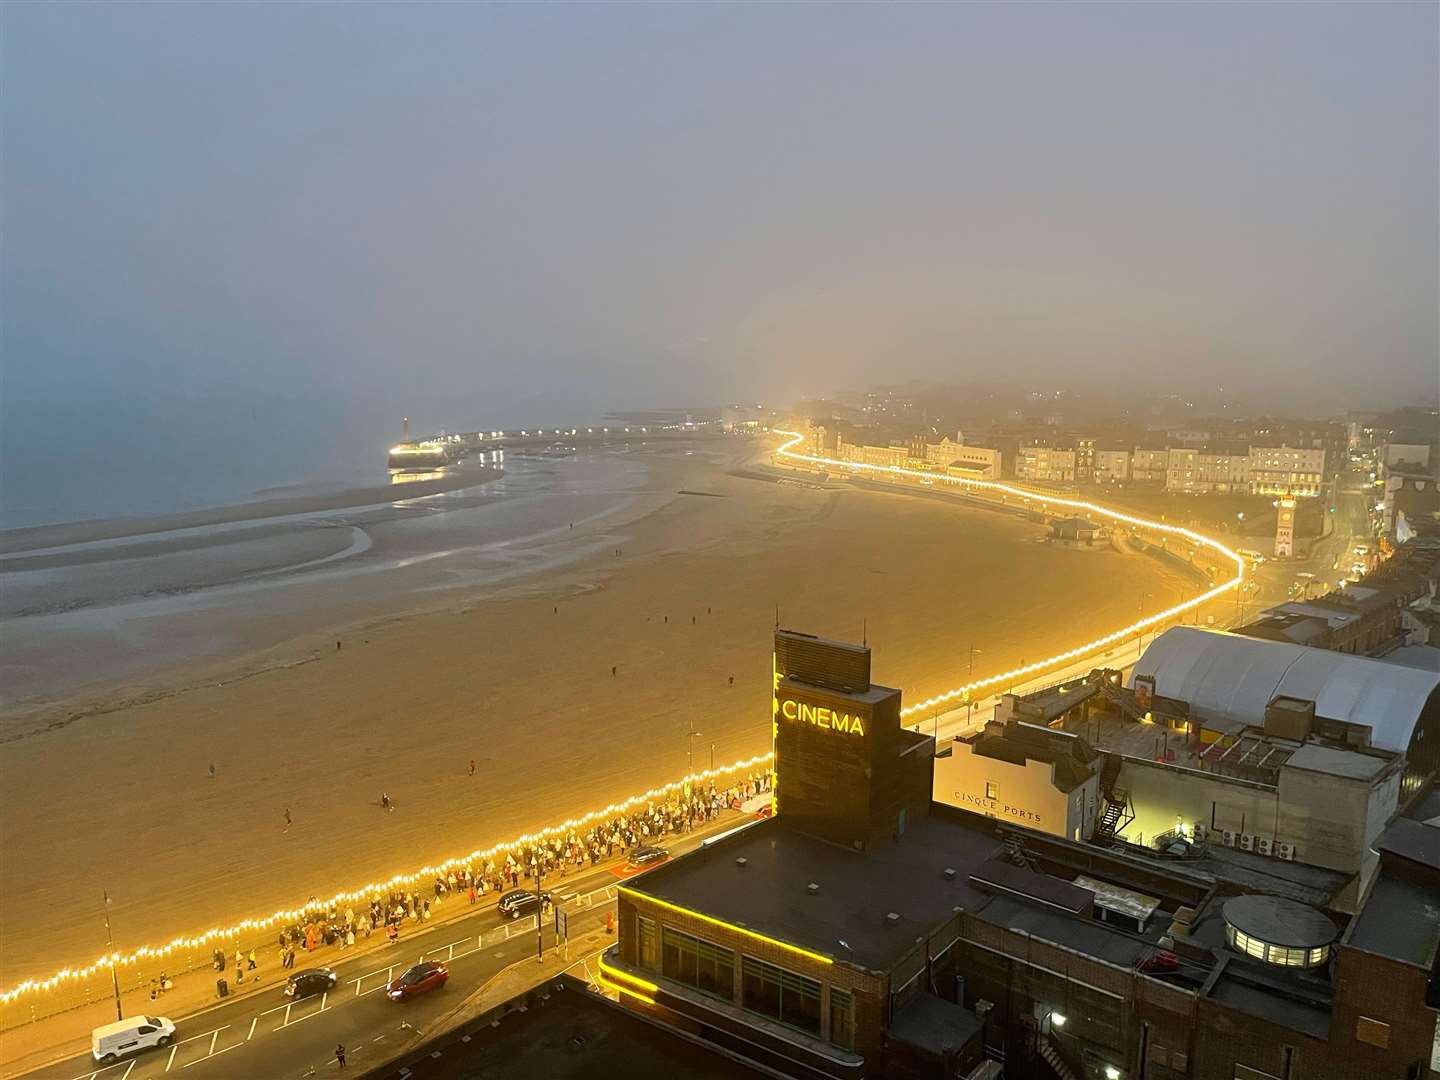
<point>1231,677</point>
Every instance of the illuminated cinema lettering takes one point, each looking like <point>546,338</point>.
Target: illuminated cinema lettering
<point>822,716</point>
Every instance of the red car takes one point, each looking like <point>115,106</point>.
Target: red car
<point>420,979</point>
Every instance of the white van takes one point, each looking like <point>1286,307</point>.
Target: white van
<point>129,1036</point>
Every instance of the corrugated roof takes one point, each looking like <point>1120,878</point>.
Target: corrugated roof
<point>1232,677</point>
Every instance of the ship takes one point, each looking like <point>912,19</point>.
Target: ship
<point>431,454</point>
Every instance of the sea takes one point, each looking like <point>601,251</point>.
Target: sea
<point>138,455</point>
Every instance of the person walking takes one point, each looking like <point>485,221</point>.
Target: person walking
<point>288,821</point>
<point>250,960</point>
<point>340,1054</point>
<point>472,766</point>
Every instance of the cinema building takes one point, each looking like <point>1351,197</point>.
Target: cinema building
<point>866,930</point>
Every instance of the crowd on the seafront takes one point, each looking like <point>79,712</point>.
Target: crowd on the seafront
<point>533,865</point>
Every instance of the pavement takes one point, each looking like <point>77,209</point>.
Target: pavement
<point>263,1033</point>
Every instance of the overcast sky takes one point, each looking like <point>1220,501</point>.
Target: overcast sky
<point>469,209</point>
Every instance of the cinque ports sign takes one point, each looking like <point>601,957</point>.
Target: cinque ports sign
<point>822,716</point>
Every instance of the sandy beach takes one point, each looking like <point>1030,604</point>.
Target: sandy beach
<point>464,644</point>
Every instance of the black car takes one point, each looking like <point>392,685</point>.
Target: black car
<point>310,981</point>
<point>647,855</point>
<point>517,903</point>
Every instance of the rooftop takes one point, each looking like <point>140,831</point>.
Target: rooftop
<point>933,1024</point>
<point>857,891</point>
<point>1333,761</point>
<point>565,1031</point>
<point>1400,920</point>
<point>1278,921</point>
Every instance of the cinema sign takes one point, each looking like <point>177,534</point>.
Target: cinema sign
<point>822,716</point>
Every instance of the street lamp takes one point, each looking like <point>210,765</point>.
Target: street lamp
<point>969,702</point>
<point>690,749</point>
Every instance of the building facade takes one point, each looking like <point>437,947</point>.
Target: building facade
<point>1286,470</point>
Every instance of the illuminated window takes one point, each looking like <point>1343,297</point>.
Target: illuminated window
<point>992,789</point>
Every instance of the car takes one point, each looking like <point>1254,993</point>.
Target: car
<point>420,979</point>
<point>647,856</point>
<point>309,982</point>
<point>521,902</point>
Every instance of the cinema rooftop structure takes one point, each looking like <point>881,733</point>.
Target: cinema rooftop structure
<point>1229,682</point>
<point>866,930</point>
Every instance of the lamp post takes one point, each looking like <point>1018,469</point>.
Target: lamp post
<point>110,943</point>
<point>969,702</point>
<point>690,749</point>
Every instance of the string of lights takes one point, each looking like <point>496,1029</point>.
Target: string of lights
<point>959,693</point>
<point>215,935</point>
<point>1006,678</point>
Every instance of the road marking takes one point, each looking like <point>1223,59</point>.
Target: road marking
<point>128,1068</point>
<point>171,1062</point>
<point>207,1057</point>
<point>253,1022</point>
<point>213,1038</point>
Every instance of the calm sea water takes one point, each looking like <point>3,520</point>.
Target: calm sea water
<point>128,456</point>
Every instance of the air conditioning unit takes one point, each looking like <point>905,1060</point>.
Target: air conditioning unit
<point>1262,845</point>
<point>1228,836</point>
<point>1247,841</point>
<point>1284,851</point>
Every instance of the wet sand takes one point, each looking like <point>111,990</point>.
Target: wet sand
<point>120,799</point>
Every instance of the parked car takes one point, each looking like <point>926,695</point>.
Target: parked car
<point>647,856</point>
<point>420,979</point>
<point>518,903</point>
<point>111,1042</point>
<point>309,982</point>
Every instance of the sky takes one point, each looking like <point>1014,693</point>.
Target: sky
<point>478,214</point>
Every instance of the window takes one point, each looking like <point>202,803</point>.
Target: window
<point>696,962</point>
<point>646,937</point>
<point>781,995</point>
<point>842,1018</point>
<point>992,789</point>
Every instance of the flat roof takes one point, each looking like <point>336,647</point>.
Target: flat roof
<point>933,1024</point>
<point>1275,1003</point>
<point>857,890</point>
<point>1276,920</point>
<point>1400,920</point>
<point>1115,898</point>
<point>566,1033</point>
<point>1413,841</point>
<point>1334,762</point>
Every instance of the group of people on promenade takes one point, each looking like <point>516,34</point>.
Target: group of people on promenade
<point>387,912</point>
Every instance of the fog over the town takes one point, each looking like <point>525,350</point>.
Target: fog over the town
<point>469,212</point>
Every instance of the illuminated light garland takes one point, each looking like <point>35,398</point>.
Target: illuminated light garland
<point>214,935</point>
<point>218,934</point>
<point>722,924</point>
<point>1006,678</point>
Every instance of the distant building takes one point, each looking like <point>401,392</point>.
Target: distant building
<point>1045,464</point>
<point>1112,466</point>
<point>1149,464</point>
<point>1286,470</point>
<point>978,462</point>
<point>883,456</point>
<point>1207,469</point>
